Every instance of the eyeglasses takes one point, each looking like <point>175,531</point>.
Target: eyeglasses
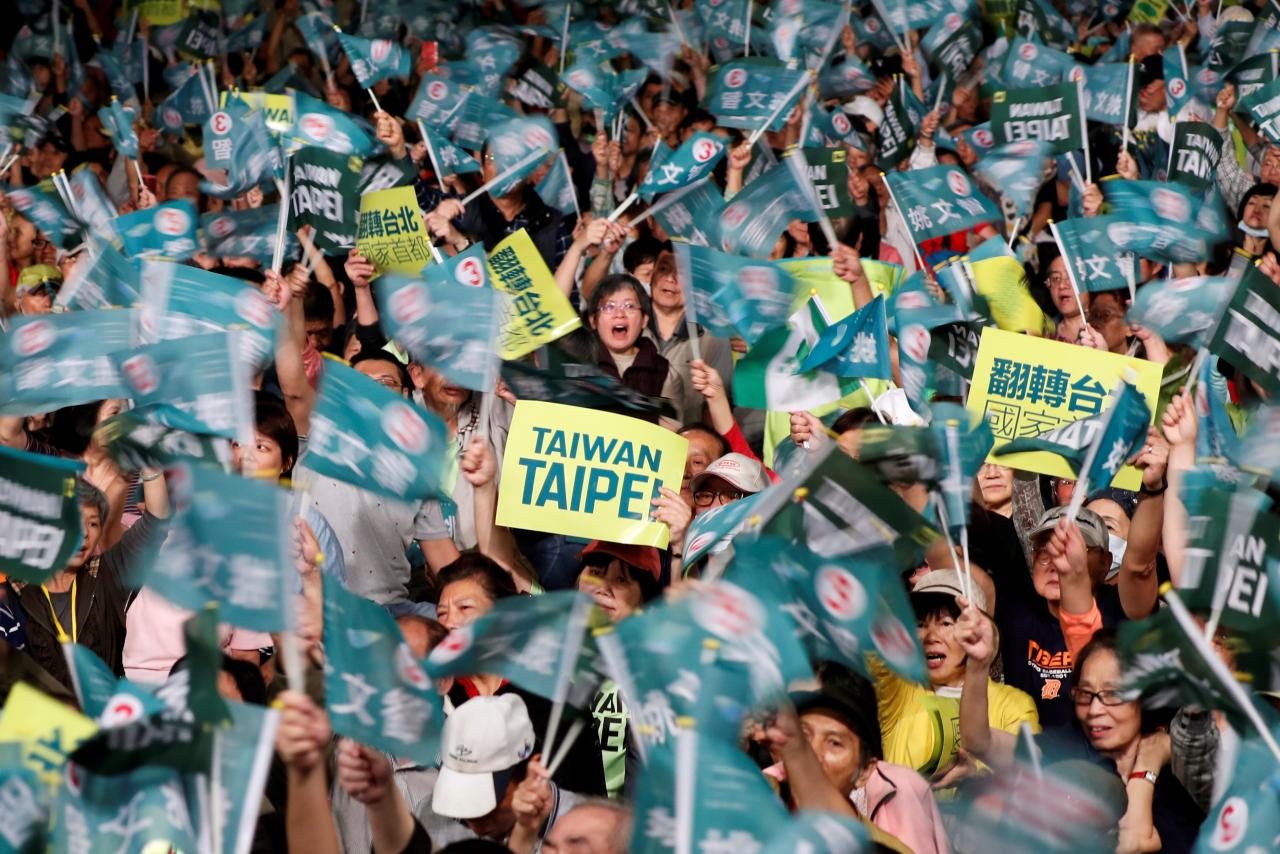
<point>706,498</point>
<point>1102,318</point>
<point>390,382</point>
<point>624,307</point>
<point>1107,697</point>
<point>1058,279</point>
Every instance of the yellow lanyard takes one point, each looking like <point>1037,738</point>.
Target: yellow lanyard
<point>62,633</point>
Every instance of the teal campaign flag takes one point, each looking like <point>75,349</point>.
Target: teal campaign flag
<point>245,750</point>
<point>317,31</point>
<point>118,77</point>
<point>375,439</point>
<point>854,346</point>
<point>902,16</point>
<point>670,170</point>
<point>255,156</point>
<point>1249,76</point>
<point>766,377</point>
<point>143,810</point>
<point>938,201</point>
<point>376,691</point>
<point>39,514</point>
<point>217,136</point>
<point>109,699</point>
<point>602,88</point>
<point>92,207</point>
<point>374,60</point>
<point>1016,169</point>
<point>896,135</point>
<point>324,192</point>
<point>316,123</point>
<point>43,205</point>
<point>752,223</point>
<point>1028,64</point>
<point>188,104</point>
<point>202,662</point>
<point>1196,153</point>
<point>250,233</point>
<point>732,295</point>
<point>954,42</point>
<point>1259,451</point>
<point>451,159</point>
<point>1052,114</point>
<point>444,321</point>
<point>117,123</point>
<point>819,831</point>
<point>1248,336</point>
<point>746,92</point>
<point>538,644</point>
<point>200,35</point>
<point>1041,18</point>
<point>228,543</point>
<point>1161,221</point>
<point>476,118</point>
<point>166,231</point>
<point>1246,816</point>
<point>1263,107</point>
<point>248,36</point>
<point>714,529</point>
<point>576,384</point>
<point>691,214</point>
<point>1100,265</point>
<point>515,144</point>
<point>199,384</point>
<point>179,301</point>
<point>1216,439</point>
<point>845,79</point>
<point>48,361</point>
<point>1177,76</point>
<point>1098,446</point>
<point>437,101</point>
<point>1103,93</point>
<point>1182,311</point>
<point>979,138</point>
<point>963,443</point>
<point>556,187</point>
<point>26,805</point>
<point>135,443</point>
<point>491,52</point>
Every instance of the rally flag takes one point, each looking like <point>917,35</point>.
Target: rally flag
<point>714,529</point>
<point>691,214</point>
<point>1163,221</point>
<point>48,361</point>
<point>1103,94</point>
<point>1230,38</point>
<point>39,514</point>
<point>751,224</point>
<point>375,439</point>
<point>1099,264</point>
<point>117,123</point>
<point>855,346</point>
<point>92,206</point>
<point>845,79</point>
<point>670,170</point>
<point>1263,107</point>
<point>1251,74</point>
<point>317,31</point>
<point>491,52</point>
<point>42,204</point>
<point>732,295</point>
<point>1028,64</point>
<point>228,543</point>
<point>245,750</point>
<point>323,185</point>
<point>250,233</point>
<point>556,188</point>
<point>1248,335</point>
<point>979,138</point>
<point>449,158</point>
<point>114,68</point>
<point>200,35</point>
<point>1259,450</point>
<point>476,118</point>
<point>248,36</point>
<point>316,123</point>
<point>766,378</point>
<point>963,443</point>
<point>746,93</point>
<point>575,384</point>
<point>1052,114</point>
<point>180,301</point>
<point>914,313</point>
<point>374,60</point>
<point>840,608</point>
<point>190,103</point>
<point>1182,311</point>
<point>1016,170</point>
<point>1042,19</point>
<point>143,810</point>
<point>199,384</point>
<point>167,230</point>
<point>103,278</point>
<point>953,43</point>
<point>539,311</point>
<point>1197,151</point>
<point>1216,438</point>
<point>938,201</point>
<point>376,691</point>
<point>604,89</point>
<point>537,644</point>
<point>873,31</point>
<point>203,661</point>
<point>133,442</point>
<point>445,321</point>
<point>109,699</point>
<point>514,145</point>
<point>1246,816</point>
<point>26,805</point>
<point>896,135</point>
<point>1096,447</point>
<point>255,156</point>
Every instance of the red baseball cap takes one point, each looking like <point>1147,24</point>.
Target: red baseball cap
<point>644,558</point>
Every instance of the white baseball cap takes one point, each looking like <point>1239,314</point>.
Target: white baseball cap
<point>738,470</point>
<point>484,737</point>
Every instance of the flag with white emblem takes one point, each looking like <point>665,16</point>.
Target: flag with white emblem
<point>1248,335</point>
<point>144,810</point>
<point>48,361</point>
<point>374,60</point>
<point>1052,113</point>
<point>1162,221</point>
<point>109,699</point>
<point>376,690</point>
<point>746,92</point>
<point>1100,265</point>
<point>40,523</point>
<point>1247,815</point>
<point>752,223</point>
<point>938,201</point>
<point>732,295</point>
<point>1103,93</point>
<point>692,161</point>
<point>1029,64</point>
<point>1016,170</point>
<point>855,346</point>
<point>517,144</point>
<point>117,123</point>
<point>1182,311</point>
<point>1196,153</point>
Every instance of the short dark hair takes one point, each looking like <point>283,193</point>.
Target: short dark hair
<point>252,275</point>
<point>248,679</point>
<point>926,605</point>
<point>643,249</point>
<point>852,420</point>
<point>616,283</point>
<point>272,419</point>
<point>473,566</point>
<point>704,427</point>
<point>383,356</point>
<point>318,303</point>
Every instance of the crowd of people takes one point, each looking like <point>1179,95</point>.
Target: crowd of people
<point>1021,627</point>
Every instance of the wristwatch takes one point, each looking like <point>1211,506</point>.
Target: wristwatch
<point>1149,776</point>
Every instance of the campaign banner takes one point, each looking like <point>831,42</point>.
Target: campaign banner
<point>1025,386</point>
<point>165,231</point>
<point>322,184</point>
<point>538,312</point>
<point>277,110</point>
<point>1197,150</point>
<point>39,514</point>
<point>48,361</point>
<point>746,92</point>
<point>1030,64</point>
<point>1049,113</point>
<point>939,200</point>
<point>1263,107</point>
<point>688,164</point>
<point>1247,336</point>
<point>594,480</point>
<point>829,174</point>
<point>691,214</point>
<point>391,233</point>
<point>247,233</point>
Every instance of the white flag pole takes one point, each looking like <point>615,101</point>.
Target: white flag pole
<point>953,449</point>
<point>1128,103</point>
<point>1071,272</point>
<point>626,203</point>
<point>504,175</point>
<point>573,191</point>
<point>1084,131</point>
<point>1081,490</point>
<point>777,111</point>
<point>431,153</point>
<point>564,35</point>
<point>684,274</point>
<point>914,246</point>
<point>746,30</point>
<point>686,780</point>
<point>575,632</point>
<point>282,222</point>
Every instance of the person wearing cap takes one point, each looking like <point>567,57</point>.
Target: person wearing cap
<point>620,579</point>
<point>919,723</point>
<point>36,288</point>
<point>728,479</point>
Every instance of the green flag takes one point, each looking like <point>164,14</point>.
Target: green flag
<point>1100,265</point>
<point>108,699</point>
<point>245,750</point>
<point>1048,113</point>
<point>517,144</point>
<point>48,361</point>
<point>1182,311</point>
<point>134,443</point>
<point>732,295</point>
<point>203,662</point>
<point>855,346</point>
<point>376,691</point>
<point>1263,107</point>
<point>692,214</point>
<point>1162,221</point>
<point>117,123</point>
<point>713,529</point>
<point>248,233</point>
<point>39,514</point>
<point>692,161</point>
<point>896,135</point>
<point>141,811</point>
<point>1197,150</point>
<point>316,123</point>
<point>1016,170</point>
<point>1103,94</point>
<point>576,384</point>
<point>954,42</point>
<point>1030,64</point>
<point>375,60</point>
<point>752,223</point>
<point>744,93</point>
<point>1246,817</point>
<point>167,231</point>
<point>102,278</point>
<point>324,193</point>
<point>938,201</point>
<point>26,807</point>
<point>1248,336</point>
<point>963,444</point>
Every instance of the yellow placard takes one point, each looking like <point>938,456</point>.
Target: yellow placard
<point>391,232</point>
<point>277,110</point>
<point>1025,386</point>
<point>1000,281</point>
<point>46,730</point>
<point>574,471</point>
<point>538,312</point>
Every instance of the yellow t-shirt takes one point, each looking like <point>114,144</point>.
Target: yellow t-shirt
<point>921,729</point>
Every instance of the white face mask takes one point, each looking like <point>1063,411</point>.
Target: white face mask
<point>1252,232</point>
<point>1117,545</point>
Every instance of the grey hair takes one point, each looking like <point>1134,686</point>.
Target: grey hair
<point>87,493</point>
<point>620,836</point>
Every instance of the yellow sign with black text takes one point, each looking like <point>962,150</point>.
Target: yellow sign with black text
<point>538,312</point>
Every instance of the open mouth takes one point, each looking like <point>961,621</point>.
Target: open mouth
<point>934,660</point>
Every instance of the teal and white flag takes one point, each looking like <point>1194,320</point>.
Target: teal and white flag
<point>752,223</point>
<point>245,751</point>
<point>854,346</point>
<point>451,159</point>
<point>1161,221</point>
<point>375,439</point>
<point>199,384</point>
<point>316,123</point>
<point>26,805</point>
<point>732,295</point>
<point>1263,107</point>
<point>437,101</point>
<point>40,528</point>
<point>938,201</point>
<point>1052,114</point>
<point>1100,265</point>
<point>251,233</point>
<point>819,831</point>
<point>556,187</point>
<point>670,170</point>
<point>117,122</point>
<point>896,135</point>
<point>1103,93</point>
<point>109,699</point>
<point>255,156</point>
<point>219,131</point>
<point>1246,817</point>
<point>324,192</point>
<point>228,543</point>
<point>180,301</point>
<point>190,102</point>
<point>1041,18</point>
<point>102,278</point>
<point>134,443</point>
<point>766,378</point>
<point>954,42</point>
<point>444,321</point>
<point>43,205</point>
<point>376,691</point>
<point>374,60</point>
<point>746,92</point>
<point>92,206</point>
<point>845,79</point>
<point>714,529</point>
<point>476,118</point>
<point>692,214</point>
<point>602,88</point>
<point>1016,170</point>
<point>963,442</point>
<point>1177,79</point>
<point>1029,64</point>
<point>1247,336</point>
<point>142,811</point>
<point>166,231</point>
<point>48,361</point>
<point>517,144</point>
<point>248,36</point>
<point>1196,153</point>
<point>1182,311</point>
